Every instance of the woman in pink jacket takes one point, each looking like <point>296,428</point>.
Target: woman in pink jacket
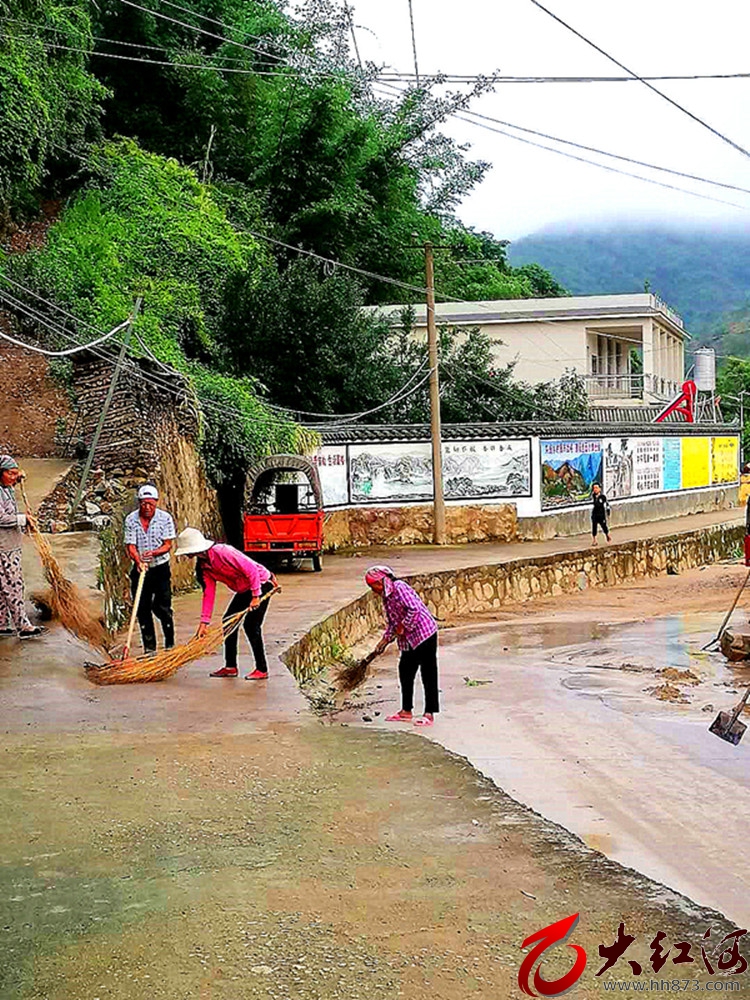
<point>248,579</point>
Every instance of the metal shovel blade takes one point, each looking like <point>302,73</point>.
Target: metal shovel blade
<point>727,727</point>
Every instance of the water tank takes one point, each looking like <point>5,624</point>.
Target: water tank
<point>705,369</point>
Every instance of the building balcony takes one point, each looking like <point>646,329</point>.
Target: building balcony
<point>630,387</point>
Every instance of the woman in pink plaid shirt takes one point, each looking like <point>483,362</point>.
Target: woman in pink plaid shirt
<point>413,626</point>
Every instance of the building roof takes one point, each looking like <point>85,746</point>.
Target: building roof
<point>583,307</point>
<point>362,433</point>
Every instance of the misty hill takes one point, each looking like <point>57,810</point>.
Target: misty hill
<point>702,273</point>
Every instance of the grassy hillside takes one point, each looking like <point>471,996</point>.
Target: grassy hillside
<point>703,274</point>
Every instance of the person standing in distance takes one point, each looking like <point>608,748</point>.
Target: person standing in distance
<point>149,533</point>
<point>599,512</point>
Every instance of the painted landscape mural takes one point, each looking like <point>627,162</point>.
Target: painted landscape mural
<point>569,469</point>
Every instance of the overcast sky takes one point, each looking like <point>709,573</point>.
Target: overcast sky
<point>527,188</point>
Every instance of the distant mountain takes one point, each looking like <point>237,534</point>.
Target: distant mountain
<point>704,274</point>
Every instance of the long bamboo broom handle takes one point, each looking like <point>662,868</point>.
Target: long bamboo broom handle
<point>722,630</point>
<point>134,612</point>
<point>238,619</point>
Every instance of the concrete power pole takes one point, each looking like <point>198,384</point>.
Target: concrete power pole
<point>437,453</point>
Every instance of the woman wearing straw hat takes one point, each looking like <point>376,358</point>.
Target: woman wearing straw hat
<point>248,579</point>
<point>411,623</point>
<point>13,619</point>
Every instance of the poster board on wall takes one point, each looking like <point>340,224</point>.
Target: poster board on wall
<point>618,467</point>
<point>397,472</point>
<point>648,466</point>
<point>569,469</point>
<point>476,470</point>
<point>331,463</point>
<point>671,448</point>
<point>696,462</point>
<point>725,460</point>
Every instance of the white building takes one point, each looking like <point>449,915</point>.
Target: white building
<point>591,334</point>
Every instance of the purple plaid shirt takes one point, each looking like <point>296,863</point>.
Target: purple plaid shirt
<point>404,607</point>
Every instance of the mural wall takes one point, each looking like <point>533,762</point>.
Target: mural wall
<point>401,472</point>
<point>635,466</point>
<point>478,471</point>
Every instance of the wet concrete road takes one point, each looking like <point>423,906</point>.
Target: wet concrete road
<point>566,726</point>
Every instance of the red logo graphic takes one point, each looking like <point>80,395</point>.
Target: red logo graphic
<point>546,938</point>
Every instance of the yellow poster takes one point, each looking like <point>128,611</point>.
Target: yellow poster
<point>696,462</point>
<point>724,459</point>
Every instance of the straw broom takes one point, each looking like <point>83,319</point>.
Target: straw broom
<point>158,667</point>
<point>71,608</point>
<point>351,675</point>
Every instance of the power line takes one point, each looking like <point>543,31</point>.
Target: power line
<point>193,27</point>
<point>615,156</point>
<point>403,392</point>
<point>604,166</point>
<point>70,350</point>
<point>645,82</point>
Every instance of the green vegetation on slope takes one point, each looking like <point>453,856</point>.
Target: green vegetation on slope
<point>144,226</point>
<point>222,175</point>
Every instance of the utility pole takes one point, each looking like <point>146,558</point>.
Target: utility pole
<point>105,410</point>
<point>437,452</point>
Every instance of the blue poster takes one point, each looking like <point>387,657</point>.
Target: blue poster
<point>672,463</point>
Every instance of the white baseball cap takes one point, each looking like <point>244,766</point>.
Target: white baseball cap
<point>148,493</point>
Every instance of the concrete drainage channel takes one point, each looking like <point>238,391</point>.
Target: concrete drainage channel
<point>483,589</point>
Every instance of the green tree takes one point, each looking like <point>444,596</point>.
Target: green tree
<point>49,102</point>
<point>732,379</point>
<point>146,226</point>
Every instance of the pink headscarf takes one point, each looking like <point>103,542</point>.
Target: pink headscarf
<point>384,573</point>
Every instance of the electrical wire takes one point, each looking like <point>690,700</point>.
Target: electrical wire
<point>193,27</point>
<point>615,156</point>
<point>403,392</point>
<point>646,83</point>
<point>460,115</point>
<point>607,167</point>
<point>71,350</point>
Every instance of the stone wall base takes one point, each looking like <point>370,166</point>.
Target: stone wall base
<point>578,520</point>
<point>359,527</point>
<point>463,592</point>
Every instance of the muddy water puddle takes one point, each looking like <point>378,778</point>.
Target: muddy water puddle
<point>636,666</point>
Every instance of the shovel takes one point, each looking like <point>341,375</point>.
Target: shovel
<point>134,613</point>
<point>727,725</point>
<point>720,633</point>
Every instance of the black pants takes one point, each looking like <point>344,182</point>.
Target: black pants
<point>599,521</point>
<point>156,599</point>
<point>253,623</point>
<point>424,658</point>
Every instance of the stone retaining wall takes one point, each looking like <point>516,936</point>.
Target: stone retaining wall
<point>454,593</point>
<point>359,527</point>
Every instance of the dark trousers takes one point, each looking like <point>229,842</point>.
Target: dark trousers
<point>156,599</point>
<point>252,624</point>
<point>424,658</point>
<point>599,521</point>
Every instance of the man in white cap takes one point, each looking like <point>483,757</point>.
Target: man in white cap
<point>149,532</point>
